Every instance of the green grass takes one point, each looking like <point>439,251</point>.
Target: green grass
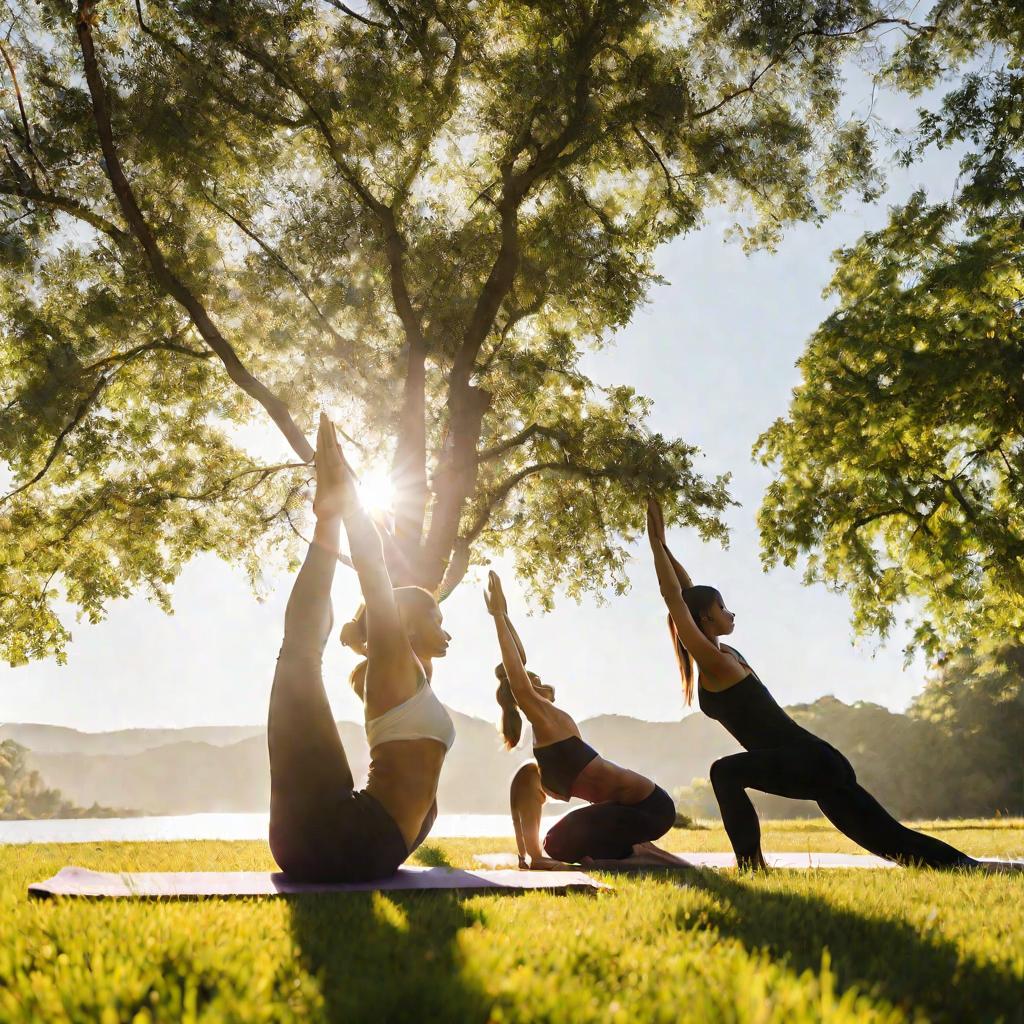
<point>707,946</point>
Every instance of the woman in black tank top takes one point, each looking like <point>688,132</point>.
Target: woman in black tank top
<point>780,756</point>
<point>627,811</point>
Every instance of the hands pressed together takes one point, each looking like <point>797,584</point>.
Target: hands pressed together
<point>655,521</point>
<point>336,492</point>
<point>494,596</point>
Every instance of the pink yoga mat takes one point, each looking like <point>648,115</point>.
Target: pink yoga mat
<point>74,881</point>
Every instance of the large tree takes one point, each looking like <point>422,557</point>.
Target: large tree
<point>418,214</point>
<point>901,461</point>
<point>977,701</point>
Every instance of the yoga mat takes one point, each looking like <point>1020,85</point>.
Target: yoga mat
<point>727,860</point>
<point>790,860</point>
<point>75,881</point>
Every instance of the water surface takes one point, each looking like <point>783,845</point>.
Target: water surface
<point>215,826</point>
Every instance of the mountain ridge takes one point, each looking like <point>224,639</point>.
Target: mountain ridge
<point>226,768</point>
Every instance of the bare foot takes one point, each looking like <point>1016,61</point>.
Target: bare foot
<point>648,853</point>
<point>642,857</point>
<point>547,864</point>
<point>754,866</point>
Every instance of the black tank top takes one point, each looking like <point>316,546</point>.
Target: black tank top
<point>752,715</point>
<point>560,763</point>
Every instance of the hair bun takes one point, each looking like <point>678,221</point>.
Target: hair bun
<point>352,636</point>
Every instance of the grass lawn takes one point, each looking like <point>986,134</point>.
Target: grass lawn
<point>704,946</point>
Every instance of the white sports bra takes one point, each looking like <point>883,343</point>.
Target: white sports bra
<point>421,717</point>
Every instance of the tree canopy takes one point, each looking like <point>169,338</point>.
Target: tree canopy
<point>901,461</point>
<point>416,214</point>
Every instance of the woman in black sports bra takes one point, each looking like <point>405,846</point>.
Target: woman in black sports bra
<point>780,756</point>
<point>627,812</point>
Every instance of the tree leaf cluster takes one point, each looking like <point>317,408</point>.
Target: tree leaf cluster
<point>900,464</point>
<point>417,215</point>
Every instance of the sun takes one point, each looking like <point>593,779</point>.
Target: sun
<point>376,490</point>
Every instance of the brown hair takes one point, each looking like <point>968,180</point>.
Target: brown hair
<point>511,727</point>
<point>698,600</point>
<point>353,633</point>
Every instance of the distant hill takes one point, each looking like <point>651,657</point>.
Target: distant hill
<point>182,771</point>
<point>56,739</point>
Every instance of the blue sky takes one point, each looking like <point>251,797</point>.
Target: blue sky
<point>715,348</point>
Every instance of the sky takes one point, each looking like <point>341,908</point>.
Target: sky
<point>715,348</point>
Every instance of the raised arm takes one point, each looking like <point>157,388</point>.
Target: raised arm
<point>515,638</point>
<point>721,667</point>
<point>337,496</point>
<point>656,528</point>
<point>512,656</point>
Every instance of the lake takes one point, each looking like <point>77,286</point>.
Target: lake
<point>216,826</point>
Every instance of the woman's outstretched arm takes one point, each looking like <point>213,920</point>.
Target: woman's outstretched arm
<point>719,665</point>
<point>515,638</point>
<point>511,651</point>
<point>656,528</point>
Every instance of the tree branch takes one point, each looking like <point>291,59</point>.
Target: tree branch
<point>321,317</point>
<point>79,414</point>
<point>223,92</point>
<point>87,403</point>
<point>21,107</point>
<point>345,9</point>
<point>524,435</point>
<point>806,33</point>
<point>276,408</point>
<point>70,206</point>
<point>154,346</point>
<point>467,404</point>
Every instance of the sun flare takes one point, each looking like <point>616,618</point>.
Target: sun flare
<point>376,490</point>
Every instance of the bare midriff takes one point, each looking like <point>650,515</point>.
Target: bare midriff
<point>604,781</point>
<point>403,778</point>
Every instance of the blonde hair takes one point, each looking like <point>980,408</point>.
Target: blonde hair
<point>353,632</point>
<point>511,727</point>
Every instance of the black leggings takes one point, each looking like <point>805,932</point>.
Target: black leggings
<point>322,829</point>
<point>817,771</point>
<point>609,831</point>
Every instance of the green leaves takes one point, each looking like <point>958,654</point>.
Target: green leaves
<point>378,214</point>
<point>901,461</point>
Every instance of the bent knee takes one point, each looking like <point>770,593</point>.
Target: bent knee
<point>556,847</point>
<point>723,772</point>
<point>526,782</point>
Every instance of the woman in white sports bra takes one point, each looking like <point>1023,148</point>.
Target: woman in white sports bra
<point>321,827</point>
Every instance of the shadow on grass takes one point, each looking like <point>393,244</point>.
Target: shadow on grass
<point>431,856</point>
<point>388,956</point>
<point>883,956</point>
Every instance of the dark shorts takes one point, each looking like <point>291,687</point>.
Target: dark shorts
<point>356,841</point>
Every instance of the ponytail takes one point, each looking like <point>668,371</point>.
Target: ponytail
<point>357,679</point>
<point>684,660</point>
<point>511,727</point>
<point>353,634</point>
<point>698,600</point>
